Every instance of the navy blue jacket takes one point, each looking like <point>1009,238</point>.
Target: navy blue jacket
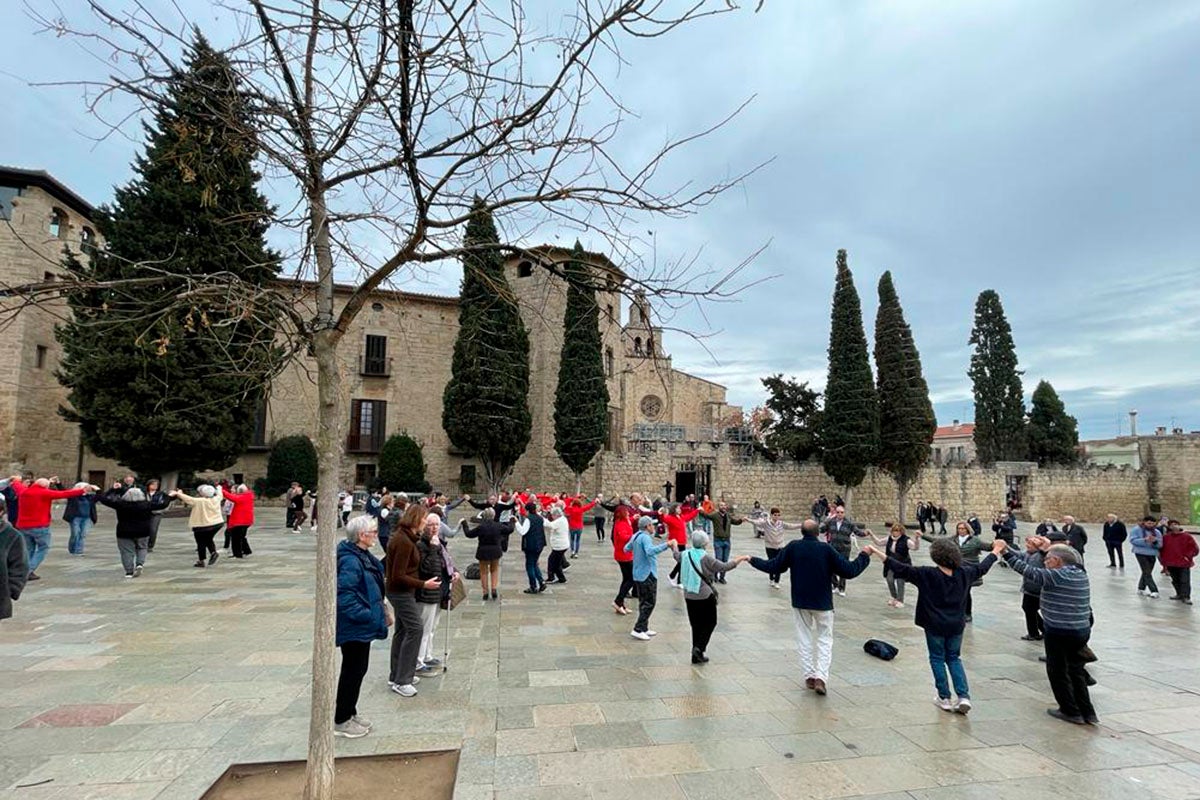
<point>811,563</point>
<point>534,540</point>
<point>360,615</point>
<point>941,598</point>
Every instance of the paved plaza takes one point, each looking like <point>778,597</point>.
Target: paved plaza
<point>149,688</point>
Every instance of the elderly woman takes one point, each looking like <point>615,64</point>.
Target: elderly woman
<point>435,563</point>
<point>697,572</point>
<point>558,538</point>
<point>241,517</point>
<point>491,535</point>
<point>402,581</point>
<point>135,514</point>
<point>362,617</point>
<point>206,520</point>
<point>896,545</point>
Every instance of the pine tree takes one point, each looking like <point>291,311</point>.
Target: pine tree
<point>153,385</point>
<point>906,419</point>
<point>581,398</point>
<point>795,418</point>
<point>999,402</point>
<point>850,430</point>
<point>485,409</point>
<point>1053,433</point>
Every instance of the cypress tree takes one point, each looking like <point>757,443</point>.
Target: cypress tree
<point>906,419</point>
<point>485,409</point>
<point>850,423</point>
<point>156,384</point>
<point>581,398</point>
<point>996,381</point>
<point>1053,433</point>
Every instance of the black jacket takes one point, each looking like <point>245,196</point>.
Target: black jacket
<point>1076,537</point>
<point>942,598</point>
<point>534,540</point>
<point>135,518</point>
<point>1115,532</point>
<point>432,566</point>
<point>14,567</point>
<point>492,537</point>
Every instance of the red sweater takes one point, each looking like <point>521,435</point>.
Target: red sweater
<point>677,525</point>
<point>243,508</point>
<point>622,532</point>
<point>575,511</point>
<point>33,510</point>
<point>1178,550</point>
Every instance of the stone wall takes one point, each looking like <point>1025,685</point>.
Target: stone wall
<point>1173,463</point>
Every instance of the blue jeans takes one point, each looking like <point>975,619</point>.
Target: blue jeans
<point>79,531</point>
<point>37,542</point>
<point>721,551</point>
<point>943,655</point>
<point>533,571</point>
<point>576,536</point>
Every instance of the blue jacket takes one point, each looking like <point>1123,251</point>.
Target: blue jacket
<point>360,615</point>
<point>1141,547</point>
<point>645,555</point>
<point>534,540</point>
<point>811,563</point>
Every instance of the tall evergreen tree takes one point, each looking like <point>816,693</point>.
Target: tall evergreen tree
<point>996,381</point>
<point>154,384</point>
<point>581,398</point>
<point>795,412</point>
<point>906,419</point>
<point>1053,433</point>
<point>485,408</point>
<point>850,429</point>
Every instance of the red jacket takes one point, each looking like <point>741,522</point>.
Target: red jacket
<point>1178,550</point>
<point>677,525</point>
<point>243,508</point>
<point>575,511</point>
<point>622,532</point>
<point>33,510</point>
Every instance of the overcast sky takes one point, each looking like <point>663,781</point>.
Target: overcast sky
<point>1049,151</point>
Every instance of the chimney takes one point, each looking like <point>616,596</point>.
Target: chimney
<point>1133,422</point>
<point>1161,430</point>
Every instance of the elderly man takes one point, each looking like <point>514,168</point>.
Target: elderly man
<point>1066,618</point>
<point>645,574</point>
<point>1114,540</point>
<point>1076,535</point>
<point>839,532</point>
<point>812,564</point>
<point>33,516</point>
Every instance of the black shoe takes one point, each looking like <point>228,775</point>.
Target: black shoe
<point>530,590</point>
<point>562,580</point>
<point>541,588</point>
<point>1087,655</point>
<point>33,576</point>
<point>1057,714</point>
<point>566,564</point>
<point>1088,679</point>
<point>1092,719</point>
<point>1031,638</point>
<point>698,656</point>
<point>212,558</point>
<point>485,596</point>
<point>200,563</point>
<point>1042,659</point>
<point>495,595</point>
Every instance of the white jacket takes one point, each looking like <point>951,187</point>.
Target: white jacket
<point>558,534</point>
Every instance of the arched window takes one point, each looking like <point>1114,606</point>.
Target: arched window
<point>524,269</point>
<point>637,346</point>
<point>58,223</point>
<point>650,345</point>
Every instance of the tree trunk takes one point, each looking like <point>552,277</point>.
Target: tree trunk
<point>320,772</point>
<point>578,483</point>
<point>848,501</point>
<point>902,499</point>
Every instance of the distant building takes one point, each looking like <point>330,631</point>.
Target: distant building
<point>953,444</point>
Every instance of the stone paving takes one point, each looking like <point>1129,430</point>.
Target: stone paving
<point>149,688</point>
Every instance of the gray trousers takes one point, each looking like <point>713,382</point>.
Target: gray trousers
<point>895,586</point>
<point>406,638</point>
<point>133,552</point>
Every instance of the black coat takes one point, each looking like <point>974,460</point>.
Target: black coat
<point>942,598</point>
<point>492,536</point>
<point>14,567</point>
<point>1115,532</point>
<point>1076,537</point>
<point>135,518</point>
<point>433,565</point>
<point>72,509</point>
<point>534,540</point>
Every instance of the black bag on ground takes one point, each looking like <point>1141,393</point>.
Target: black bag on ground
<point>472,573</point>
<point>880,649</point>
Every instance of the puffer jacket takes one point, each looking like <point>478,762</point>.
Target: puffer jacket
<point>433,565</point>
<point>360,615</point>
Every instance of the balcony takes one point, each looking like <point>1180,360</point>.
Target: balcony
<point>364,443</point>
<point>375,367</point>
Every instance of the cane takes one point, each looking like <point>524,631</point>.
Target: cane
<point>446,652</point>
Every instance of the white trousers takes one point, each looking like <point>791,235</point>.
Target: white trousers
<point>428,626</point>
<point>814,641</point>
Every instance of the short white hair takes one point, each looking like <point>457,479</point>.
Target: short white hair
<point>133,495</point>
<point>241,488</point>
<point>206,490</point>
<point>699,540</point>
<point>356,527</point>
<point>83,485</point>
<point>401,497</point>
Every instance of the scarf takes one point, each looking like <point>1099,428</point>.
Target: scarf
<point>690,574</point>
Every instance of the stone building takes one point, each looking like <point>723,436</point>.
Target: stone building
<point>395,362</point>
<point>953,444</point>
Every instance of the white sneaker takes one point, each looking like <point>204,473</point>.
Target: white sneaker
<point>366,723</point>
<point>416,679</point>
<point>944,703</point>
<point>841,592</point>
<point>652,633</point>
<point>774,585</point>
<point>1154,595</point>
<point>645,637</point>
<point>350,729</point>
<point>407,690</point>
<point>899,604</point>
<point>1142,592</point>
<point>963,707</point>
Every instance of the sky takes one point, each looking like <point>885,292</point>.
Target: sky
<point>1048,151</point>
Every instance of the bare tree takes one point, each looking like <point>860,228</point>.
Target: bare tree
<point>382,120</point>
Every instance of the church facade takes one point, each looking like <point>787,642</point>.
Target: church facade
<point>395,362</point>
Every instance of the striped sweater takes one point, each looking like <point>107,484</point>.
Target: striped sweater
<point>1066,593</point>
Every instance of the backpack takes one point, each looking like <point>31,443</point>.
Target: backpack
<point>880,649</point>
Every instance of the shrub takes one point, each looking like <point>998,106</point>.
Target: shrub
<point>401,465</point>
<point>293,458</point>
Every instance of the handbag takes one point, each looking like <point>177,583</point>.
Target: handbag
<point>706,581</point>
<point>458,593</point>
